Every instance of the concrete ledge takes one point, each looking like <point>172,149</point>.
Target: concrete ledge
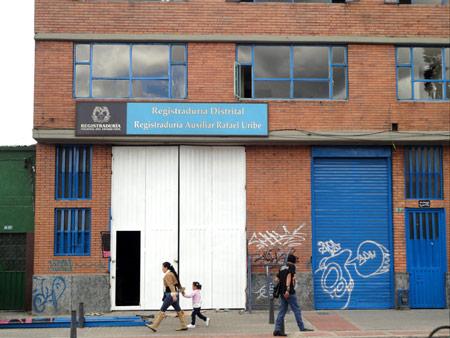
<point>243,38</point>
<point>275,137</point>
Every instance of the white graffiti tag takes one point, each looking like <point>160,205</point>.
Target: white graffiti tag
<point>283,239</point>
<point>371,259</point>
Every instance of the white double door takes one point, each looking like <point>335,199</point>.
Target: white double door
<point>189,205</point>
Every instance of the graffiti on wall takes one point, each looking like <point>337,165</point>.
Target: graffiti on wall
<point>47,292</point>
<point>274,245</point>
<point>371,259</point>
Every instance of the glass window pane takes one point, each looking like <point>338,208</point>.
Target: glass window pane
<point>110,88</point>
<point>111,61</point>
<point>427,2</point>
<point>178,54</point>
<point>427,63</point>
<point>339,87</point>
<point>151,88</point>
<point>428,90</point>
<point>82,80</point>
<point>311,89</point>
<point>338,55</point>
<point>245,54</point>
<point>272,89</point>
<point>311,62</point>
<point>448,91</point>
<point>272,62</point>
<point>403,56</point>
<point>447,64</point>
<point>82,53</point>
<point>313,1</point>
<point>178,82</point>
<point>404,83</point>
<point>150,61</point>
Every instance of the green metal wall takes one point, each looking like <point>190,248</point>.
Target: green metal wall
<point>16,189</point>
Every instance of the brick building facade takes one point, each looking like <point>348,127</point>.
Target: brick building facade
<point>285,203</point>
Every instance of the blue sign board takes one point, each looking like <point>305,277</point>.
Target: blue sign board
<point>214,119</point>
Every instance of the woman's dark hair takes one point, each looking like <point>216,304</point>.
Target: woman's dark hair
<point>172,269</point>
<point>197,285</point>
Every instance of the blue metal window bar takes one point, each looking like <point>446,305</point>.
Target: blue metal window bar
<point>169,78</point>
<point>72,232</point>
<point>331,68</point>
<point>73,177</point>
<point>444,81</point>
<point>423,172</point>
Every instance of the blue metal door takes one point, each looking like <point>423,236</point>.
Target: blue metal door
<point>351,215</point>
<point>426,257</point>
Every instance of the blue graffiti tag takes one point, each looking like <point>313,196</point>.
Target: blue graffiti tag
<point>44,295</point>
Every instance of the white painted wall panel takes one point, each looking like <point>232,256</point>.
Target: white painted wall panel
<point>212,201</point>
<point>161,213</point>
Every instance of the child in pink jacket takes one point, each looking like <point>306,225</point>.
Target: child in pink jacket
<point>196,304</point>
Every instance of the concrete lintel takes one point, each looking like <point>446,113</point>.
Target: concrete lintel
<point>245,38</point>
<point>275,137</point>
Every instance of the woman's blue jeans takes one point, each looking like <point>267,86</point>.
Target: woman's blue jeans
<point>292,301</point>
<point>168,301</point>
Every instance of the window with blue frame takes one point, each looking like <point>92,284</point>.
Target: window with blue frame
<point>423,73</point>
<point>130,71</point>
<point>72,232</point>
<point>291,72</point>
<point>423,172</point>
<point>73,178</point>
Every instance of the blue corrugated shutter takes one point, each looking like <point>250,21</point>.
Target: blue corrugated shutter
<point>351,214</point>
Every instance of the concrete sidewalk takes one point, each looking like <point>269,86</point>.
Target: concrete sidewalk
<point>327,324</point>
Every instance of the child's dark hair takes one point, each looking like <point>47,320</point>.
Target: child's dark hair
<point>197,285</point>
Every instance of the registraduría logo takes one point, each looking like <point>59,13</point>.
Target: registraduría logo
<point>101,114</point>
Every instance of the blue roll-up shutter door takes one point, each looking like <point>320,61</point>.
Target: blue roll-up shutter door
<point>351,216</point>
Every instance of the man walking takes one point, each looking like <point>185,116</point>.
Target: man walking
<point>286,277</point>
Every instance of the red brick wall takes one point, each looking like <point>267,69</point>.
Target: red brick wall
<point>278,193</point>
<point>372,104</point>
<point>364,18</point>
<point>46,203</point>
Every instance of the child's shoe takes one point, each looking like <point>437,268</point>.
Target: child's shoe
<point>207,321</point>
<point>190,326</point>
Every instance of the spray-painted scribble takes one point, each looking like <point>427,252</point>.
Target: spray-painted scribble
<point>47,292</point>
<point>282,239</point>
<point>272,256</point>
<point>371,259</point>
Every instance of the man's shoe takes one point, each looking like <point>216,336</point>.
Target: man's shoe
<point>305,329</point>
<point>279,334</point>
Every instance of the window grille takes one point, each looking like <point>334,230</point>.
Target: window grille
<point>72,232</point>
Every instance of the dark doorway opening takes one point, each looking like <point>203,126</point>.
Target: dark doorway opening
<point>128,268</point>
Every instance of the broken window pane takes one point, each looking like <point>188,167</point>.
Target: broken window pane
<point>404,83</point>
<point>272,89</point>
<point>428,90</point>
<point>427,63</point>
<point>272,62</point>
<point>311,62</point>
<point>447,63</point>
<point>82,80</point>
<point>150,60</point>
<point>339,87</point>
<point>245,81</point>
<point>110,88</point>
<point>111,61</point>
<point>311,89</point>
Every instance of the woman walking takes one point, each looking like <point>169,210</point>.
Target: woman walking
<point>172,287</point>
